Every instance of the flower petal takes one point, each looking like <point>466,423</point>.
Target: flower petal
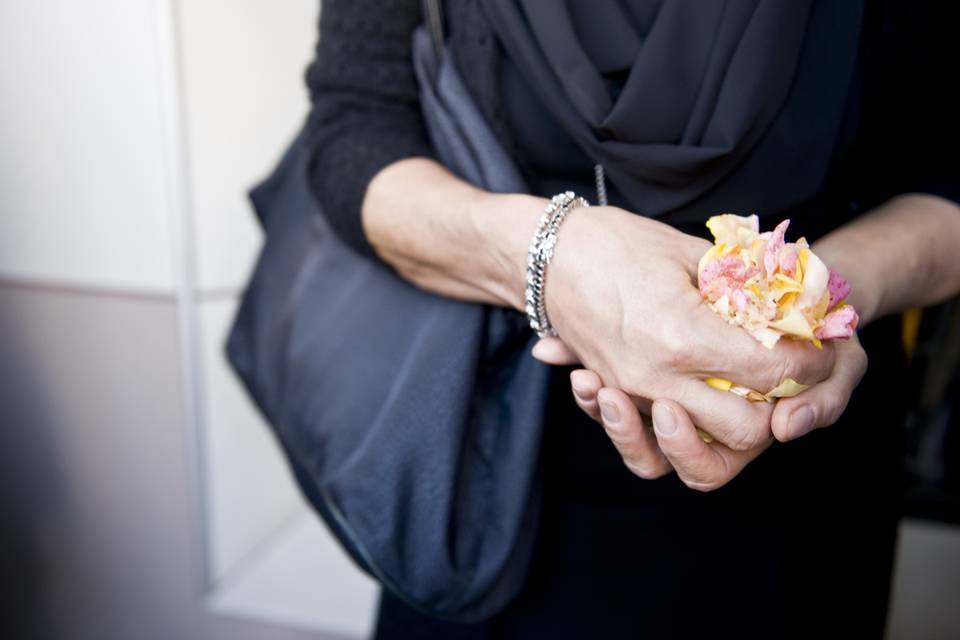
<point>724,227</point>
<point>815,276</point>
<point>773,248</point>
<point>838,288</point>
<point>839,323</point>
<point>787,389</point>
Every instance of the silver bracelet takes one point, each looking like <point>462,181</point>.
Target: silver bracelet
<point>541,252</point>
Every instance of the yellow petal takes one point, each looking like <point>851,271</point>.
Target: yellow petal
<point>786,283</point>
<point>820,309</point>
<point>719,383</point>
<point>794,323</point>
<point>725,227</point>
<point>786,301</point>
<point>815,277</point>
<point>787,389</point>
<point>745,237</point>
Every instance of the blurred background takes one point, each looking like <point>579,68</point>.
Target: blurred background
<point>141,496</point>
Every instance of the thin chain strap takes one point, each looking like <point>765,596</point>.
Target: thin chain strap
<point>433,12</point>
<point>601,184</point>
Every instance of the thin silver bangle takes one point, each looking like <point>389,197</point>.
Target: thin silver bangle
<point>541,252</point>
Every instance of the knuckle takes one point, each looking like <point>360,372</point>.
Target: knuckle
<point>863,362</point>
<point>746,437</point>
<point>675,351</point>
<point>806,365</point>
<point>834,411</point>
<point>786,368</point>
<point>635,378</point>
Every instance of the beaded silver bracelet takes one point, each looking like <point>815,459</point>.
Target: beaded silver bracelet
<point>541,252</point>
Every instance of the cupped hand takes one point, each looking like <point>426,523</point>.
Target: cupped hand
<point>621,292</point>
<point>674,444</point>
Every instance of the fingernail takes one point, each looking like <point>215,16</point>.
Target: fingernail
<point>537,351</point>
<point>610,413</point>
<point>663,419</point>
<point>801,422</point>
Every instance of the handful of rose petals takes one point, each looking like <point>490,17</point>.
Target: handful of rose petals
<point>770,287</point>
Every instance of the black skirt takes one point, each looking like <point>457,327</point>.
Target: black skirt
<point>800,544</point>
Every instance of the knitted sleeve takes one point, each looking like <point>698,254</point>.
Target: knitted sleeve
<point>365,113</point>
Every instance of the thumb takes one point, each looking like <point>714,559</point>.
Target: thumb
<point>822,404</point>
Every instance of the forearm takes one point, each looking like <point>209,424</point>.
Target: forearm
<point>446,235</point>
<point>903,254</point>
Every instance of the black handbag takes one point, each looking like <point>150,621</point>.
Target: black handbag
<point>412,422</point>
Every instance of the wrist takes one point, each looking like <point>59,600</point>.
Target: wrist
<point>506,223</point>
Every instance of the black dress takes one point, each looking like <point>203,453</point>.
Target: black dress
<point>800,544</point>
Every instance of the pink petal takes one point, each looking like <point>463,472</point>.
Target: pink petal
<point>840,323</point>
<point>773,247</point>
<point>722,276</point>
<point>838,288</point>
<point>788,259</point>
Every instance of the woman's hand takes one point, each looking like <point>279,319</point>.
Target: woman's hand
<point>903,254</point>
<point>674,444</point>
<point>621,293</point>
<point>671,444</point>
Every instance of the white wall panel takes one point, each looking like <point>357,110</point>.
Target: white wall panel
<point>304,580</point>
<point>83,189</point>
<point>249,491</point>
<point>242,72</point>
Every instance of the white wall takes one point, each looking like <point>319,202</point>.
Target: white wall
<point>84,158</point>
<point>131,132</point>
<point>243,90</point>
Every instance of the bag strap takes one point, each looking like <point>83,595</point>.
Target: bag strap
<point>433,14</point>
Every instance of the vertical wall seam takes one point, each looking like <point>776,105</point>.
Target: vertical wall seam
<point>180,209</point>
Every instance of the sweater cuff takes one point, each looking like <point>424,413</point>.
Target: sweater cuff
<point>339,176</point>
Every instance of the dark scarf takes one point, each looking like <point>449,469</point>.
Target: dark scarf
<point>685,103</point>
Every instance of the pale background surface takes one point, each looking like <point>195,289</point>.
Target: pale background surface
<point>145,497</point>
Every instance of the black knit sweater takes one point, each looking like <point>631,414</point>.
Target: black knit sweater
<point>365,100</point>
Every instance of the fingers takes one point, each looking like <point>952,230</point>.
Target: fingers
<point>586,385</point>
<point>823,404</point>
<point>736,422</point>
<point>553,351</point>
<point>735,355</point>
<point>699,465</point>
<point>636,444</point>
<point>763,369</point>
